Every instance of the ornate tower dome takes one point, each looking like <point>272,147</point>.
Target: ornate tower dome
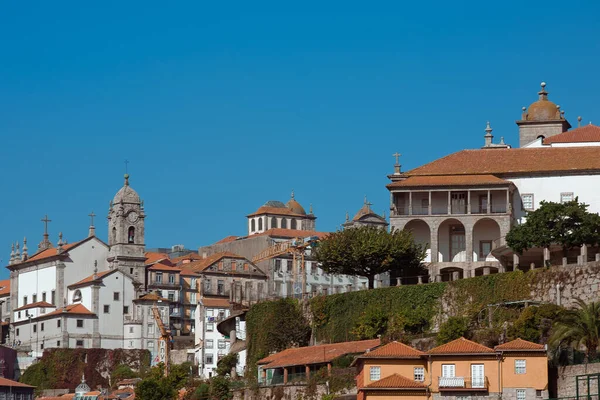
<point>294,206</point>
<point>126,194</point>
<point>82,388</point>
<point>543,109</point>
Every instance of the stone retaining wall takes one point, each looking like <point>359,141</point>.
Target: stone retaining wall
<point>566,383</point>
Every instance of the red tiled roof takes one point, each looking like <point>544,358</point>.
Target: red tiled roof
<point>227,239</point>
<point>91,278</point>
<point>4,287</point>
<point>204,263</point>
<point>520,345</point>
<point>276,211</point>
<point>8,382</point>
<point>291,233</point>
<point>152,257</point>
<point>513,161</point>
<point>187,257</point>
<point>394,350</point>
<point>316,354</point>
<point>395,381</point>
<point>37,304</point>
<point>159,266</point>
<point>188,272</point>
<point>449,180</point>
<point>461,346</point>
<point>584,134</point>
<point>151,297</point>
<point>51,252</point>
<point>78,309</point>
<point>216,303</point>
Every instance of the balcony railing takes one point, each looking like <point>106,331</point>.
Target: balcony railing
<point>163,284</point>
<point>454,210</point>
<point>215,292</point>
<point>463,383</point>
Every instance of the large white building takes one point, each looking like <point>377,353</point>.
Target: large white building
<point>462,206</point>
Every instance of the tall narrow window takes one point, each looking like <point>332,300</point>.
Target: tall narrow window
<point>273,222</point>
<point>53,297</point>
<point>131,234</point>
<point>527,200</point>
<point>260,224</point>
<point>114,235</point>
<point>293,224</point>
<point>252,225</point>
<point>283,223</point>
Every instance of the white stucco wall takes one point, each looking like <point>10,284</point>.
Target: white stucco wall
<point>38,281</point>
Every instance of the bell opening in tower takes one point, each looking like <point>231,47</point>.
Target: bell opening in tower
<point>131,235</point>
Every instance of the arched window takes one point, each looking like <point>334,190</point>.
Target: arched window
<point>260,224</point>
<point>293,224</point>
<point>252,225</point>
<point>283,223</point>
<point>77,296</point>
<point>273,222</point>
<point>541,137</point>
<point>131,235</point>
<point>114,235</point>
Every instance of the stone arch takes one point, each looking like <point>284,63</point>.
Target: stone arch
<point>451,274</point>
<point>421,234</point>
<point>452,245</point>
<point>485,232</point>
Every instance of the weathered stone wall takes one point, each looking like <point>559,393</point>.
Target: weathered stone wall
<point>178,356</point>
<point>287,392</point>
<point>566,383</point>
<point>564,285</point>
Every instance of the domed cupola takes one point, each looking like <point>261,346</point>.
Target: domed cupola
<point>82,388</point>
<point>126,194</point>
<point>294,206</point>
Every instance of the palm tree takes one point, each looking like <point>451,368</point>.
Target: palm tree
<point>578,327</point>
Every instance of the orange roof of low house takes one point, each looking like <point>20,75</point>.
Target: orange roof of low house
<point>583,134</point>
<point>520,345</point>
<point>10,383</point>
<point>151,297</point>
<point>159,266</point>
<point>394,350</point>
<point>152,257</point>
<point>215,302</point>
<point>514,161</point>
<point>37,304</point>
<point>316,354</point>
<point>5,287</point>
<point>188,272</point>
<point>186,258</point>
<point>449,180</point>
<point>78,309</point>
<point>461,346</point>
<point>395,381</point>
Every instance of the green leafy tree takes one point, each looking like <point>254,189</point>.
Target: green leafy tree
<point>179,374</point>
<point>220,388</point>
<point>154,389</point>
<point>368,251</point>
<point>567,224</point>
<point>122,371</point>
<point>372,322</point>
<point>201,392</point>
<point>226,364</point>
<point>578,327</point>
<point>453,328</point>
<point>534,323</point>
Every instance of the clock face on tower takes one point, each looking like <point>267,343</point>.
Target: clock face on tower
<point>132,217</point>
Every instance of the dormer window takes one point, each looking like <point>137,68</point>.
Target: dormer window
<point>77,296</point>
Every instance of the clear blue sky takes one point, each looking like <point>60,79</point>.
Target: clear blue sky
<point>221,106</point>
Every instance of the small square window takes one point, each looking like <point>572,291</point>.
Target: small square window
<point>79,343</point>
<point>208,344</point>
<point>566,197</point>
<point>419,374</point>
<point>375,373</point>
<point>106,309</point>
<point>41,346</point>
<point>210,327</point>
<point>521,394</point>
<point>80,323</point>
<point>150,344</point>
<point>222,344</point>
<point>116,296</point>
<point>527,200</point>
<point>131,329</point>
<point>58,343</point>
<point>208,358</point>
<point>520,367</point>
<point>538,393</point>
<point>125,309</point>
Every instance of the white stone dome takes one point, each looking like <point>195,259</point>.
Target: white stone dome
<point>126,194</point>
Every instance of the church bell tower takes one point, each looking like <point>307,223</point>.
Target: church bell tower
<point>126,233</point>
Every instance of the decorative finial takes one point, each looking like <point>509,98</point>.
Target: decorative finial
<point>45,243</point>
<point>12,253</point>
<point>310,209</point>
<point>17,253</point>
<point>59,248</point>
<point>25,249</point>
<point>126,176</point>
<point>543,84</point>
<point>347,216</point>
<point>488,128</point>
<point>579,121</point>
<point>292,193</point>
<point>397,165</point>
<point>524,113</point>
<point>384,216</point>
<point>542,93</point>
<point>502,140</point>
<point>92,231</point>
<point>365,201</point>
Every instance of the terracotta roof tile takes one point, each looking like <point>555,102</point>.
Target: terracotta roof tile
<point>395,381</point>
<point>394,350</point>
<point>186,258</point>
<point>584,134</point>
<point>215,302</point>
<point>513,161</point>
<point>78,309</point>
<point>152,257</point>
<point>37,304</point>
<point>50,252</point>
<point>461,346</point>
<point>151,297</point>
<point>159,266</point>
<point>8,382</point>
<point>91,278</point>
<point>316,354</point>
<point>519,345</point>
<point>449,180</point>
<point>188,272</point>
<point>4,287</point>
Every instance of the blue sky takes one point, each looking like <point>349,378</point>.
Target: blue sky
<point>222,106</point>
